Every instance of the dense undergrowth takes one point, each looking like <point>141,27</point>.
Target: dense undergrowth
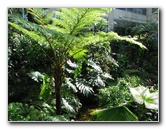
<point>59,68</point>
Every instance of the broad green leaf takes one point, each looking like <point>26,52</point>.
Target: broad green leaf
<point>68,106</point>
<point>56,118</point>
<point>95,66</point>
<point>71,64</point>
<point>136,95</point>
<point>107,75</point>
<point>36,76</point>
<point>114,114</point>
<point>84,88</point>
<point>70,85</point>
<point>45,88</point>
<point>142,95</point>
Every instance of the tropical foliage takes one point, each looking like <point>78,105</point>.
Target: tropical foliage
<point>60,60</point>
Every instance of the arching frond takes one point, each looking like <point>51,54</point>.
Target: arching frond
<point>73,20</point>
<point>62,35</point>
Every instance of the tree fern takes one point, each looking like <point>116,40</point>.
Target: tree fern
<point>74,20</point>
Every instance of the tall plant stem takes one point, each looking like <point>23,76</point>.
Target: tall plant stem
<point>58,76</point>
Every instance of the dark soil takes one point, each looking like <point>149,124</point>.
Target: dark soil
<point>86,112</point>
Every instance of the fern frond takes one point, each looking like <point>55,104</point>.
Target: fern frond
<point>115,36</point>
<point>78,53</point>
<point>31,34</point>
<point>103,37</point>
<point>41,16</point>
<point>73,20</point>
<point>37,32</point>
<point>63,34</point>
<point>37,13</point>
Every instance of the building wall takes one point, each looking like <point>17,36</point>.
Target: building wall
<point>134,15</point>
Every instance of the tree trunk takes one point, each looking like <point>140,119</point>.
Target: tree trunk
<point>58,76</point>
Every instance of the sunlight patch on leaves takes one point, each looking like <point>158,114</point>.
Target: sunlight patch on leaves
<point>78,53</point>
<point>71,64</point>
<point>70,85</point>
<point>67,106</point>
<point>86,90</point>
<point>142,95</point>
<point>100,81</point>
<point>95,66</point>
<point>36,76</point>
<point>114,114</point>
<point>107,75</point>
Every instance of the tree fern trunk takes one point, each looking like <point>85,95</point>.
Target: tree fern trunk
<point>58,75</point>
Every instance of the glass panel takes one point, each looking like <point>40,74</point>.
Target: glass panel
<point>144,11</point>
<point>130,9</point>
